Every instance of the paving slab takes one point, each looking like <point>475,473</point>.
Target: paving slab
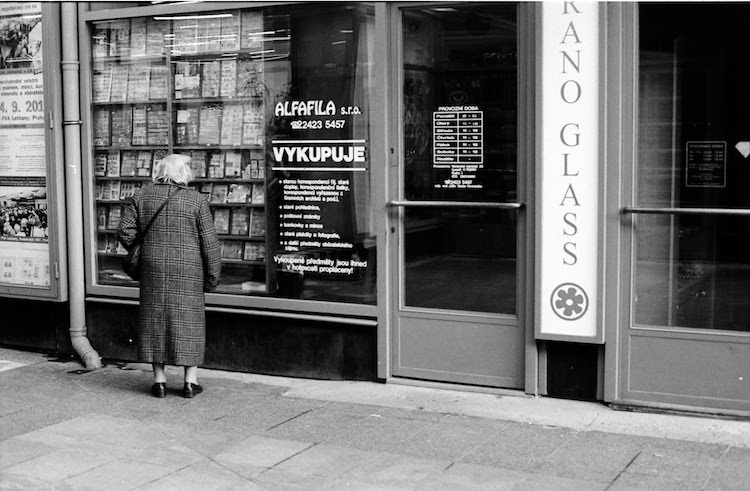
<point>275,478</point>
<point>396,471</point>
<point>316,426</point>
<point>206,442</point>
<point>17,450</point>
<point>57,466</point>
<point>592,456</point>
<point>204,475</point>
<point>122,475</point>
<point>477,477</point>
<point>690,468</point>
<point>330,461</point>
<point>250,457</point>
<point>520,447</point>
<point>376,433</point>
<point>441,442</point>
<point>731,472</point>
<point>22,357</point>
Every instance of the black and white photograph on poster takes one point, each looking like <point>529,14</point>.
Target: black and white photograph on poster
<point>20,36</point>
<point>23,214</point>
<point>22,116</point>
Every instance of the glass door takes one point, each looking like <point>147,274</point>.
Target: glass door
<point>456,213</point>
<point>688,339</point>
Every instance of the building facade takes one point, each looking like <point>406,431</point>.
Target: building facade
<point>538,197</point>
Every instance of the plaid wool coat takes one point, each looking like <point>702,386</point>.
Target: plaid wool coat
<point>180,260</point>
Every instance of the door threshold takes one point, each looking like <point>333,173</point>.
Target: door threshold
<point>431,384</point>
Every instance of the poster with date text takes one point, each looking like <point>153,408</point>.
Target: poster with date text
<point>24,238</point>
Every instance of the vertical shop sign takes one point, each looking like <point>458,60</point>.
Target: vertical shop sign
<point>569,173</point>
<point>315,219</point>
<point>24,248</point>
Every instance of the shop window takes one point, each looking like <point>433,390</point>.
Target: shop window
<point>692,265</point>
<point>273,106</point>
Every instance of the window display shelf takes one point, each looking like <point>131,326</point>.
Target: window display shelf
<point>110,254</point>
<point>111,201</point>
<point>243,262</point>
<point>100,59</point>
<point>149,102</point>
<point>196,101</point>
<point>124,178</point>
<point>235,205</point>
<point>210,146</point>
<point>242,237</point>
<point>224,180</point>
<point>99,148</point>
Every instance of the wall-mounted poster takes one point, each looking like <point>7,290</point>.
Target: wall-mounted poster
<point>24,243</point>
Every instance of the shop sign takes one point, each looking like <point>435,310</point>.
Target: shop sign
<point>24,243</point>
<point>457,136</point>
<point>706,164</point>
<point>568,185</point>
<point>316,174</point>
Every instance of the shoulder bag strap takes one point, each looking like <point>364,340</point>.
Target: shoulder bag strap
<point>151,222</point>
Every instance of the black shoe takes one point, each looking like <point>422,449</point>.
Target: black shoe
<point>159,390</point>
<point>191,390</point>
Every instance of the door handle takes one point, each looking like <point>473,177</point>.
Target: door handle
<point>632,210</point>
<point>456,204</point>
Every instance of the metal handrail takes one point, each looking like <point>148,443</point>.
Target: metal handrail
<point>684,211</point>
<point>457,204</point>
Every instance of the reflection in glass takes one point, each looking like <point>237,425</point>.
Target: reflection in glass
<point>461,259</point>
<point>255,97</point>
<point>693,270</point>
<point>460,57</point>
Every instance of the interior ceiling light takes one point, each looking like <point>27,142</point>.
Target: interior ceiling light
<point>194,17</point>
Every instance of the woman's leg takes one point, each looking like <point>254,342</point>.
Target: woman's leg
<point>191,375</point>
<point>159,375</point>
<point>191,387</point>
<point>159,389</point>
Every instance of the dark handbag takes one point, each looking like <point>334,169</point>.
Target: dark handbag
<point>131,263</point>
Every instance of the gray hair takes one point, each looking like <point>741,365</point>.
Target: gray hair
<point>174,168</point>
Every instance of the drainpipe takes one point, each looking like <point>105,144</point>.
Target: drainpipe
<point>74,186</point>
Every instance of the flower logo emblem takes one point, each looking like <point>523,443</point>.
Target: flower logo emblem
<point>569,301</point>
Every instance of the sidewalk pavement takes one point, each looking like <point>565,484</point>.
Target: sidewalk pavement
<point>62,427</point>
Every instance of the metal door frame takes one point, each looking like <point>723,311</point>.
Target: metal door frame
<point>388,26</point>
<point>622,210</point>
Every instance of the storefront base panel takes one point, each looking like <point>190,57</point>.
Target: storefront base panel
<point>33,324</point>
<point>572,370</point>
<point>271,346</point>
<point>700,374</point>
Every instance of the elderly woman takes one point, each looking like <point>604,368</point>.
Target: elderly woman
<point>180,260</point>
